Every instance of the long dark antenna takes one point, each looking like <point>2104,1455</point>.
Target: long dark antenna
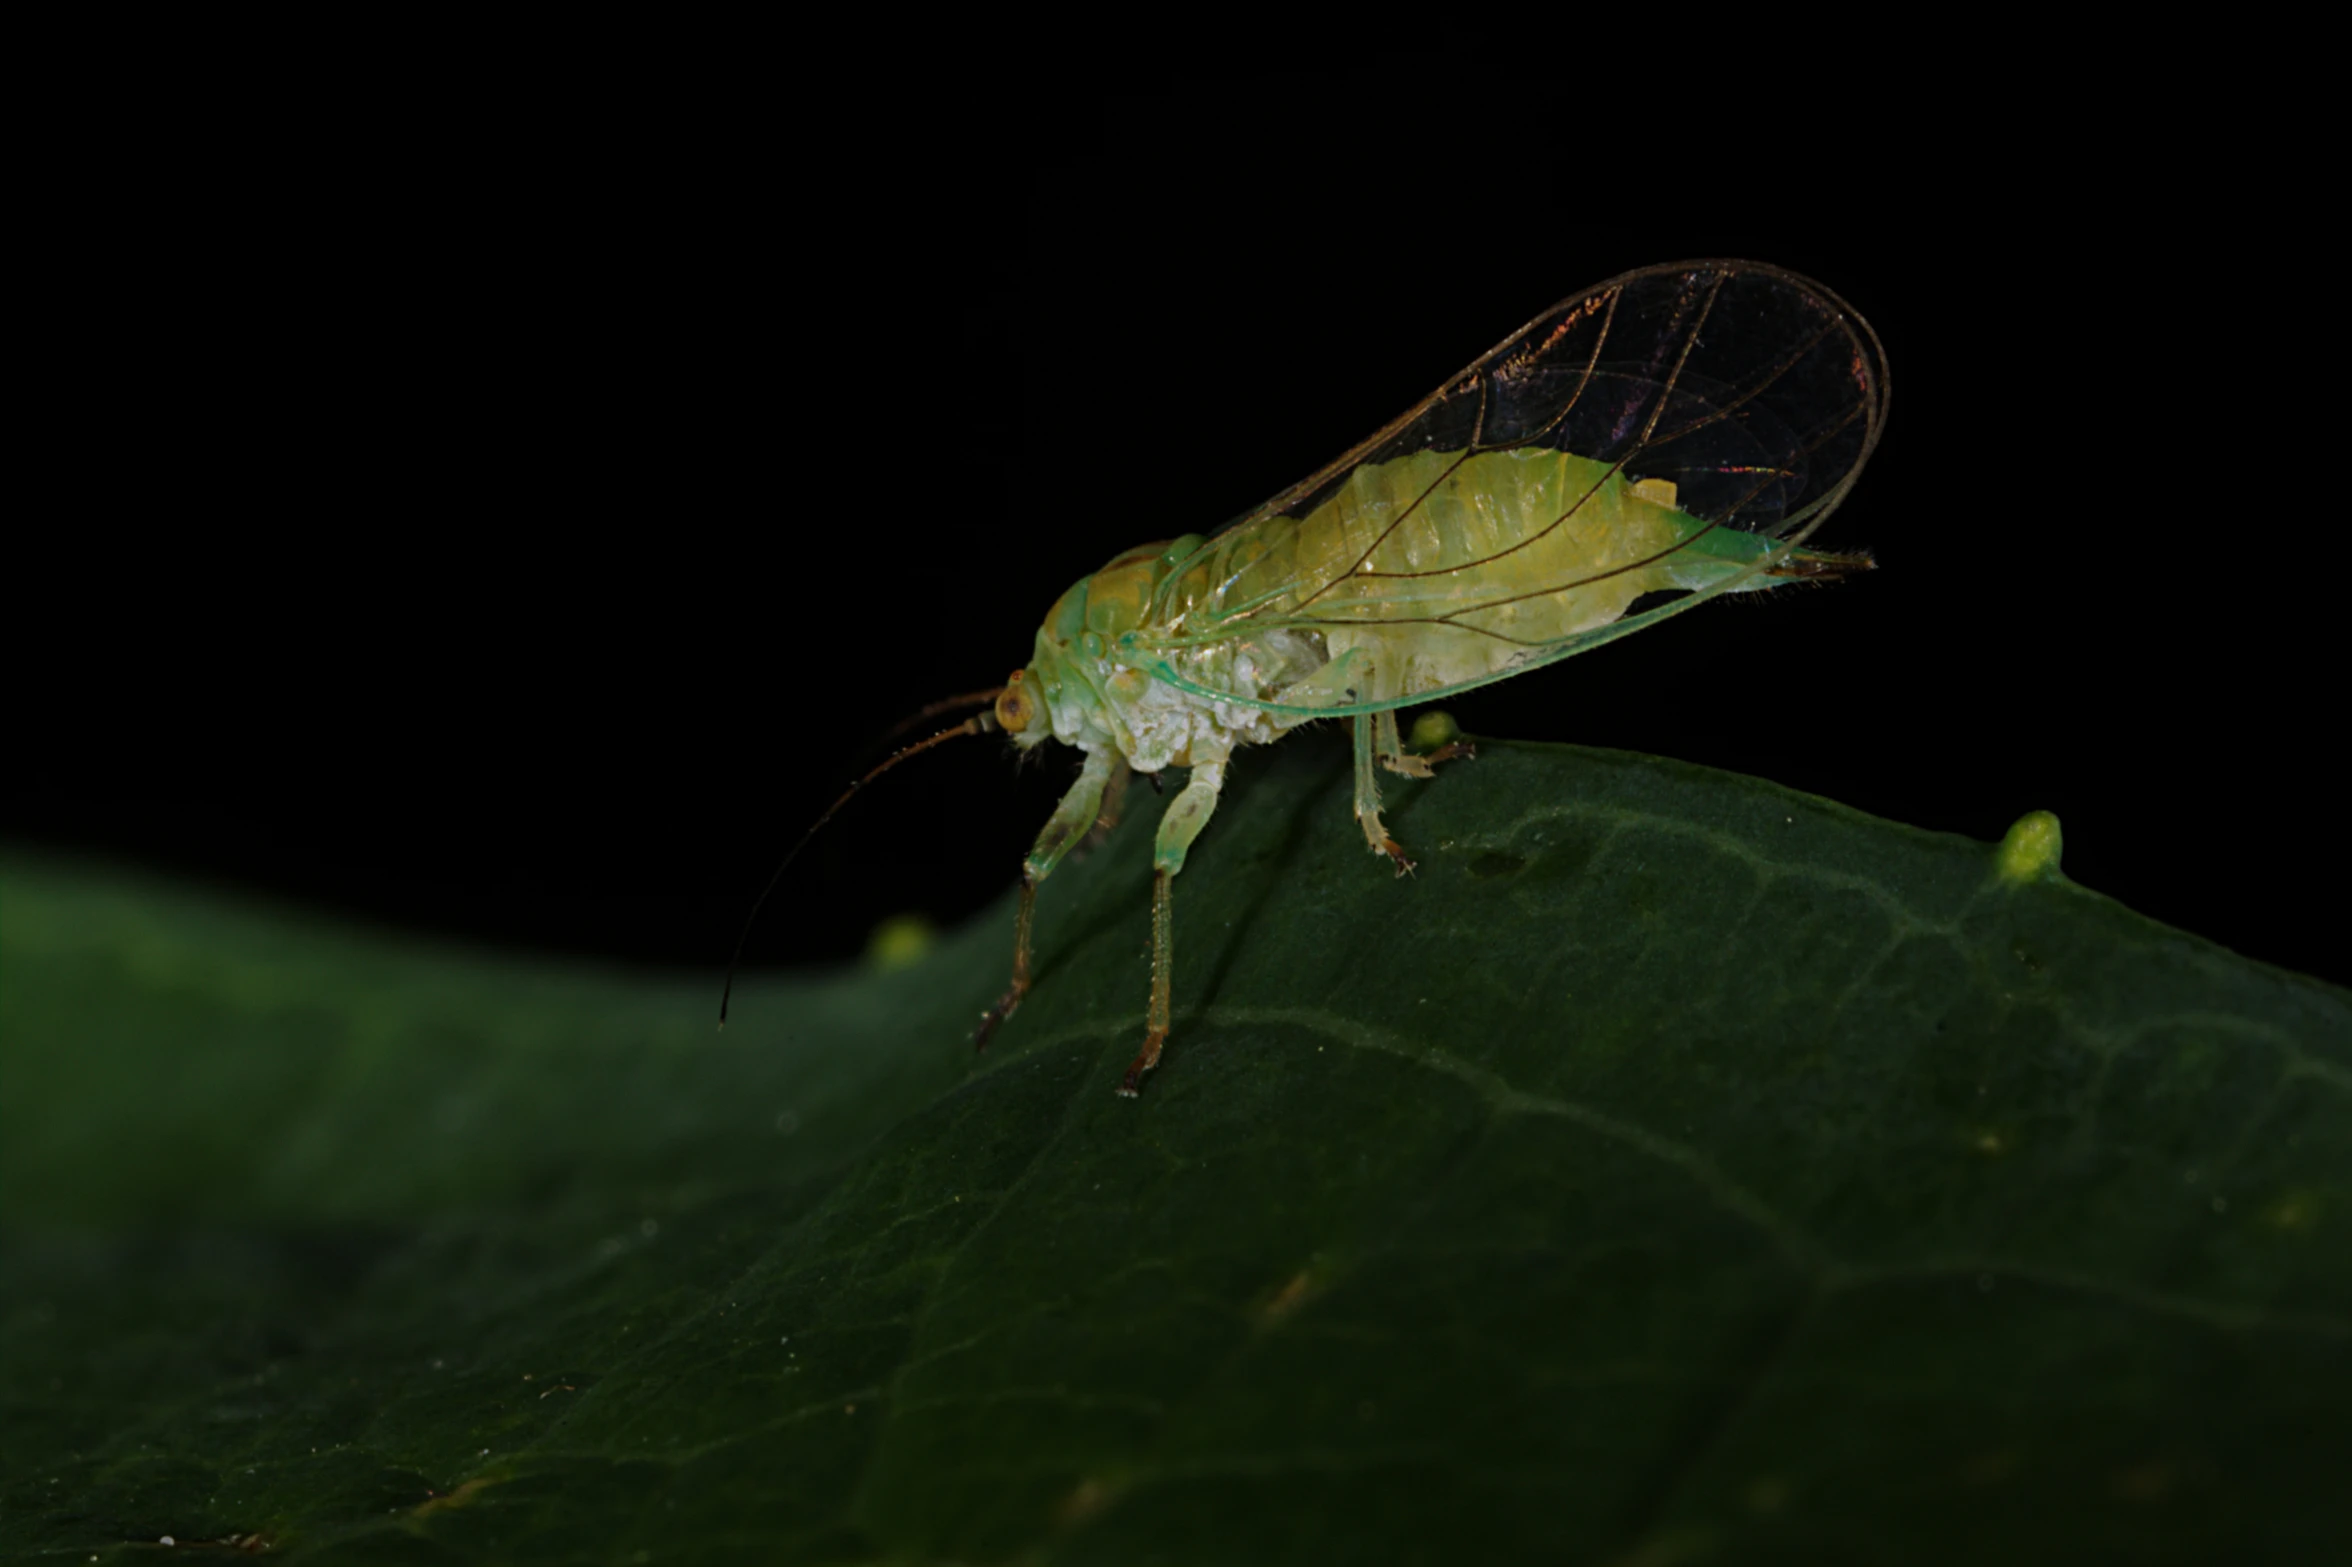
<point>946,704</point>
<point>977,724</point>
<point>922,715</point>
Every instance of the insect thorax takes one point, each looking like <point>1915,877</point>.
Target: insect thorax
<point>1098,696</point>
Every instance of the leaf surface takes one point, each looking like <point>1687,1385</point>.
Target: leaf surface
<point>1676,1168</point>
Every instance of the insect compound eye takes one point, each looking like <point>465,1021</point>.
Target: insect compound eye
<point>1014,708</point>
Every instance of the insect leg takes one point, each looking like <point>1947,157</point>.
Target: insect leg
<point>1069,822</point>
<point>1391,752</point>
<point>1186,815</point>
<point>1113,797</point>
<point>1368,794</point>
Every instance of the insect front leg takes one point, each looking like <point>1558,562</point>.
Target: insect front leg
<point>1114,796</point>
<point>1368,793</point>
<point>1071,819</point>
<point>1186,815</point>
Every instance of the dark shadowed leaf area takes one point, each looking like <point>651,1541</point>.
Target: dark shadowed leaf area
<point>1676,1169</point>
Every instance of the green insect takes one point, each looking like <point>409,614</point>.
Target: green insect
<point>1675,433</point>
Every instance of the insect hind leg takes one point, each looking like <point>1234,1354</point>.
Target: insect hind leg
<point>1368,792</point>
<point>1390,750</point>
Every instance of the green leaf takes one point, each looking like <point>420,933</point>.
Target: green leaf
<point>1676,1169</point>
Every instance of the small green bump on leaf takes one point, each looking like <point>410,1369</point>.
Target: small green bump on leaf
<point>2296,1210</point>
<point>2030,850</point>
<point>1433,729</point>
<point>900,942</point>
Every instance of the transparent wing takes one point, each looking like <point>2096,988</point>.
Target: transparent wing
<point>1682,428</point>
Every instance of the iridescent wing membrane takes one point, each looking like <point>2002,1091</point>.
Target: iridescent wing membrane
<point>1669,435</point>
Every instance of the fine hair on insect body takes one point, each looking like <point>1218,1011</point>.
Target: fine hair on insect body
<point>1667,437</point>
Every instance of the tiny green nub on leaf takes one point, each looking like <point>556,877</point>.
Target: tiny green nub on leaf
<point>1433,729</point>
<point>900,942</point>
<point>2030,849</point>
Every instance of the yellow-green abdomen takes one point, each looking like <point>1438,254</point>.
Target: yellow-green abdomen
<point>1439,569</point>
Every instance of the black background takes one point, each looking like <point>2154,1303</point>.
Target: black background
<point>508,504</point>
